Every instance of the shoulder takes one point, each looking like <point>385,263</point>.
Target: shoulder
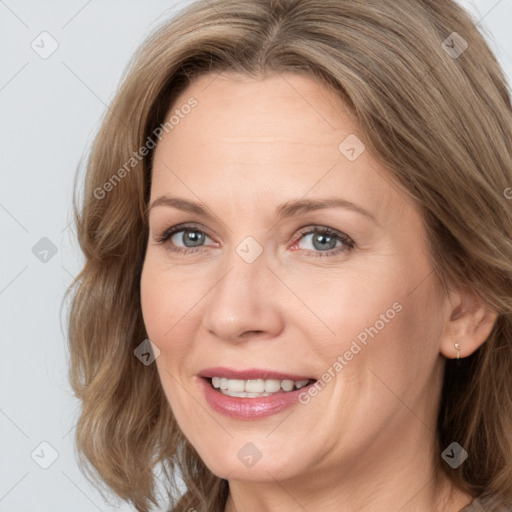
<point>481,505</point>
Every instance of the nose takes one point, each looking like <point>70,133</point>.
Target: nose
<point>244,301</point>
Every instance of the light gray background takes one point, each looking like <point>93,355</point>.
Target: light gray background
<point>50,111</point>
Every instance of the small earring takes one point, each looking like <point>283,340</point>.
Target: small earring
<point>457,347</point>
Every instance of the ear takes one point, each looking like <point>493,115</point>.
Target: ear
<point>469,321</point>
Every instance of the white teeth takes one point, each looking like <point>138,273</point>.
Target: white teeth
<point>238,386</point>
<point>287,385</point>
<point>300,383</point>
<point>243,395</point>
<point>252,386</point>
<point>255,387</point>
<point>272,385</point>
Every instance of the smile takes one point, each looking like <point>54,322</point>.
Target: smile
<point>254,388</point>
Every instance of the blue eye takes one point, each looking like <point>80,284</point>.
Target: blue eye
<point>324,240</point>
<point>190,234</point>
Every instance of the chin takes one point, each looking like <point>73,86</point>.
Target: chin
<point>245,462</point>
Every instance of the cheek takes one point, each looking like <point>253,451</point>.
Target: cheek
<point>386,319</point>
<point>368,301</point>
<point>153,303</point>
<point>164,298</point>
<point>401,353</point>
<point>167,302</point>
<point>160,308</point>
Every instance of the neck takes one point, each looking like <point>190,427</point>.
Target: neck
<point>392,476</point>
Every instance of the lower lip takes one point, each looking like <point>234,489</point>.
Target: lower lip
<point>249,408</point>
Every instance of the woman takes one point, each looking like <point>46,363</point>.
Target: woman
<point>305,207</point>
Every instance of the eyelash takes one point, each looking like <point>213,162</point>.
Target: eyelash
<point>323,230</point>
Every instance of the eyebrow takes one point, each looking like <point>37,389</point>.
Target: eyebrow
<point>288,209</point>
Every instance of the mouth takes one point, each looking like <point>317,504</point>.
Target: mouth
<point>252,394</point>
<point>255,388</point>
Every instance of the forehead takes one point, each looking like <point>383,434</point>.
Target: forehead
<point>286,106</point>
<point>270,140</point>
<point>240,124</point>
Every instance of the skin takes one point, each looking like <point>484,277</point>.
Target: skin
<point>366,441</point>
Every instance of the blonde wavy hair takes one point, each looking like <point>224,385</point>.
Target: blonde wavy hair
<point>440,121</point>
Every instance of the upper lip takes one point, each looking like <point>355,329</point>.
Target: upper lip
<point>250,374</point>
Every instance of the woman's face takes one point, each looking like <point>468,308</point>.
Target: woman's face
<point>263,286</point>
